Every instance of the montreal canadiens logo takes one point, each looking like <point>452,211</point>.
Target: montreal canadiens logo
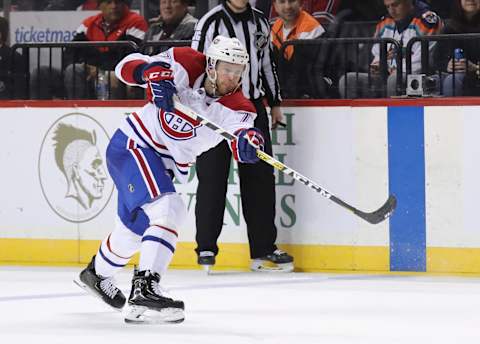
<point>177,125</point>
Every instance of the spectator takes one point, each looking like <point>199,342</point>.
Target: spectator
<point>323,10</point>
<point>12,77</point>
<point>463,75</point>
<point>295,23</point>
<point>174,23</point>
<point>84,65</point>
<point>406,19</point>
<point>236,18</point>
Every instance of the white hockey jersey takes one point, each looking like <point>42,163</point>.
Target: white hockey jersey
<point>175,137</point>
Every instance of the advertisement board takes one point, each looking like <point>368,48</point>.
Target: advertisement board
<point>58,200</point>
<point>45,27</point>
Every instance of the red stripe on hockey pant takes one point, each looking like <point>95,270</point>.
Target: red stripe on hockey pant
<point>111,251</point>
<point>150,181</point>
<point>168,230</point>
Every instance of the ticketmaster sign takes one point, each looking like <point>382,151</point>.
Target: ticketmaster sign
<point>45,27</point>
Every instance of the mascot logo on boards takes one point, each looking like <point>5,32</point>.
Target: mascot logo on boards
<point>72,169</point>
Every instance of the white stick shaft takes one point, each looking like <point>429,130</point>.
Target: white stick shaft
<point>261,154</point>
<point>374,217</point>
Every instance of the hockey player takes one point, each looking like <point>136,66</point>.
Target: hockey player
<point>155,145</point>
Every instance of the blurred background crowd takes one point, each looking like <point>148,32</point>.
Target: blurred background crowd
<point>322,48</point>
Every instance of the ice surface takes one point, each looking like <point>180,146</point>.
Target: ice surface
<point>43,305</point>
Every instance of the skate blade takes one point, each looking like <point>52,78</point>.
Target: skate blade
<point>271,267</point>
<point>91,292</point>
<point>144,315</point>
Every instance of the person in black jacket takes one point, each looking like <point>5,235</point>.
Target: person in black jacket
<point>12,77</point>
<point>461,74</point>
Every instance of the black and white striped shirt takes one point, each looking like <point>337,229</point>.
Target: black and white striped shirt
<point>252,29</point>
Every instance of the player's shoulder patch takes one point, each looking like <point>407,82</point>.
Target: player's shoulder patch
<point>430,18</point>
<point>237,102</point>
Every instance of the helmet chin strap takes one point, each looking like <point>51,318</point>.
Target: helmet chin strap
<point>213,81</point>
<point>236,87</point>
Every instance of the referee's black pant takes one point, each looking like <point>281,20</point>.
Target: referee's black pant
<point>257,189</point>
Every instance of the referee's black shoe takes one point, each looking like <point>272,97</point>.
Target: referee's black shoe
<point>206,259</point>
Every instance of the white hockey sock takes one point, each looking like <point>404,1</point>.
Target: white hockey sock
<point>158,246</point>
<point>116,251</point>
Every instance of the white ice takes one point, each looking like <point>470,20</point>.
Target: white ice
<point>42,305</point>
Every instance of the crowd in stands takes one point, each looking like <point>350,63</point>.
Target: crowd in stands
<point>318,68</point>
<point>405,20</point>
<point>115,22</point>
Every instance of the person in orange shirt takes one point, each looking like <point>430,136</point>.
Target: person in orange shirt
<point>295,23</point>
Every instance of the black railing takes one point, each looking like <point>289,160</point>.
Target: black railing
<point>318,66</point>
<point>436,53</point>
<point>327,67</point>
<point>64,70</point>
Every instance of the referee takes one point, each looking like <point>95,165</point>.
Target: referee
<point>236,18</point>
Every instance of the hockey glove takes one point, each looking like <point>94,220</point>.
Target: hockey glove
<point>156,72</point>
<point>161,93</point>
<point>161,87</point>
<point>242,148</point>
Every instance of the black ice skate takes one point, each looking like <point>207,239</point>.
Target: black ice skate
<point>206,259</point>
<point>100,286</point>
<point>147,302</point>
<point>278,261</point>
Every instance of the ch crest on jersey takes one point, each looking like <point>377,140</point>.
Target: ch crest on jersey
<point>177,125</point>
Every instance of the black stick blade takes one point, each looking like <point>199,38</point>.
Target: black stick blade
<point>382,213</point>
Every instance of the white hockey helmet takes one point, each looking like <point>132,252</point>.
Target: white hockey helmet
<point>225,49</point>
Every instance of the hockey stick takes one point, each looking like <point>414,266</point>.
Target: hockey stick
<point>373,217</point>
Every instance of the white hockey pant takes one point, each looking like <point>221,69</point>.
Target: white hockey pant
<point>116,250</point>
<point>166,214</point>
